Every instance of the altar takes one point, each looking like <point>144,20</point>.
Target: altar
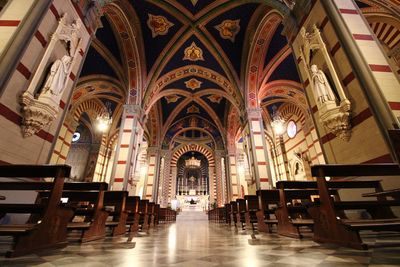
<point>193,202</point>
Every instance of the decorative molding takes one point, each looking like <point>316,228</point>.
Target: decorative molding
<point>193,109</point>
<point>215,98</point>
<point>172,98</point>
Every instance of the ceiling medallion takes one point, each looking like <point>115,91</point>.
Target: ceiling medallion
<point>215,98</point>
<point>158,25</point>
<point>172,98</point>
<point>193,84</point>
<point>193,109</point>
<point>228,29</point>
<point>194,2</point>
<point>193,53</point>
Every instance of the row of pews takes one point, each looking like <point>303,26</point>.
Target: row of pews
<point>63,211</point>
<point>324,209</point>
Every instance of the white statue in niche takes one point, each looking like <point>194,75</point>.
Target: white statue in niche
<point>55,81</point>
<point>322,88</point>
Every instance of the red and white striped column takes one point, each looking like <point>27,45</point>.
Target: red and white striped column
<point>258,149</point>
<point>151,181</point>
<point>234,175</point>
<point>372,52</point>
<point>129,137</point>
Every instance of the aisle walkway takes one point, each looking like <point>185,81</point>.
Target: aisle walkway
<point>193,241</point>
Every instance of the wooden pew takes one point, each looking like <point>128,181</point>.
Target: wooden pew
<point>117,201</point>
<point>88,201</point>
<point>233,213</point>
<point>132,208</point>
<point>294,198</point>
<point>331,224</point>
<point>156,214</point>
<point>252,206</point>
<point>227,214</point>
<point>268,203</point>
<point>143,215</point>
<point>241,212</point>
<point>47,227</point>
<point>150,214</point>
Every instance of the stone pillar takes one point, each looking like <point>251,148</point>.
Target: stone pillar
<point>219,178</point>
<point>258,149</point>
<point>64,140</point>
<point>369,63</point>
<point>232,163</point>
<point>101,160</point>
<point>151,181</point>
<point>130,135</point>
<point>166,181</point>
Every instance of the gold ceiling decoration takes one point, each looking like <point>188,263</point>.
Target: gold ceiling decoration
<point>194,2</point>
<point>158,25</point>
<point>193,109</point>
<point>215,98</point>
<point>193,84</point>
<point>172,98</point>
<point>193,53</point>
<point>228,29</point>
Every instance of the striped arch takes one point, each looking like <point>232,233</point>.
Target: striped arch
<point>289,110</point>
<point>258,50</point>
<point>91,107</point>
<point>193,147</point>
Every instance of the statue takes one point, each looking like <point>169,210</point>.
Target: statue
<point>58,73</point>
<point>322,89</point>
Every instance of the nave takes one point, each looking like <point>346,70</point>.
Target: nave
<point>194,241</point>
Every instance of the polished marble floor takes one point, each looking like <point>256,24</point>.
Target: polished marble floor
<point>193,241</point>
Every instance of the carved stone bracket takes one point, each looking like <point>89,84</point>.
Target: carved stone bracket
<point>337,119</point>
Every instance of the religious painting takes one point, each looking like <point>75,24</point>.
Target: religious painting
<point>228,29</point>
<point>193,84</point>
<point>193,53</point>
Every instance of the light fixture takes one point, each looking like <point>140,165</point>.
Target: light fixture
<point>192,163</point>
<point>278,124</point>
<point>76,137</point>
<point>104,120</point>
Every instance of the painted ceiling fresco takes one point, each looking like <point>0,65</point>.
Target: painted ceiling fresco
<point>196,56</point>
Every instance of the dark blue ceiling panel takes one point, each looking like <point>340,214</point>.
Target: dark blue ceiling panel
<point>154,45</point>
<point>107,37</point>
<point>233,49</point>
<point>168,108</point>
<point>205,84</point>
<point>362,5</point>
<point>177,60</point>
<point>194,6</point>
<point>278,41</point>
<point>96,64</point>
<point>286,71</point>
<point>219,107</point>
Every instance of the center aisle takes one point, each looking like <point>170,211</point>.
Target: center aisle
<point>193,241</point>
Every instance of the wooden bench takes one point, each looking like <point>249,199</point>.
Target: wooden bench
<point>294,199</point>
<point>252,206</point>
<point>233,213</point>
<point>268,203</point>
<point>143,215</point>
<point>116,201</point>
<point>87,199</point>
<point>331,224</point>
<point>227,213</point>
<point>47,226</point>
<point>150,214</point>
<point>241,212</point>
<point>156,214</point>
<point>132,208</point>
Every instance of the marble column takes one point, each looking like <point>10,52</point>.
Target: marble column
<point>258,149</point>
<point>130,135</point>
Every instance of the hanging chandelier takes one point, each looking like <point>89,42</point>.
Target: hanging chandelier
<point>104,120</point>
<point>192,163</point>
<point>278,124</point>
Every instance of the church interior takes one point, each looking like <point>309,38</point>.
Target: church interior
<point>200,132</point>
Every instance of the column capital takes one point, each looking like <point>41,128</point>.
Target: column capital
<point>254,113</point>
<point>153,149</point>
<point>135,110</point>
